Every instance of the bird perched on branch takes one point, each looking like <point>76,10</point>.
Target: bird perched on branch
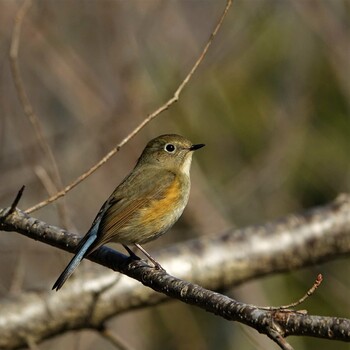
<point>146,204</point>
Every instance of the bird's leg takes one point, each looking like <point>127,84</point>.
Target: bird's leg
<point>131,253</point>
<point>155,262</point>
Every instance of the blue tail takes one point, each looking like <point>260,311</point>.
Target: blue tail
<point>84,246</point>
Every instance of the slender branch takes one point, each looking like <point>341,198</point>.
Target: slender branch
<point>27,106</point>
<point>147,120</point>
<point>276,336</point>
<point>32,344</point>
<point>311,291</point>
<point>114,339</point>
<point>16,201</point>
<point>89,299</point>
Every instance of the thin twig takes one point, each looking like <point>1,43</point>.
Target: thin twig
<point>12,208</point>
<point>32,345</point>
<point>15,202</point>
<point>277,337</point>
<point>18,274</point>
<point>51,189</point>
<point>27,106</point>
<point>114,339</point>
<point>148,119</point>
<point>311,291</point>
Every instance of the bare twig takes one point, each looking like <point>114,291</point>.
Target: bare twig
<point>17,28</point>
<point>15,202</point>
<point>28,108</point>
<point>276,336</point>
<point>51,189</point>
<point>311,291</point>
<point>114,339</point>
<point>12,208</point>
<point>18,274</point>
<point>32,345</point>
<point>148,119</point>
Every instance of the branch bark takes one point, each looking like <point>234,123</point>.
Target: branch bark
<point>219,262</point>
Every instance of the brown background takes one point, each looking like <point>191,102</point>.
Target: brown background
<point>271,101</point>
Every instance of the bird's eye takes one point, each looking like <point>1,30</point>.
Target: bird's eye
<point>170,148</point>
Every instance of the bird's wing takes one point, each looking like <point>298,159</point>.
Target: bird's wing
<point>128,199</point>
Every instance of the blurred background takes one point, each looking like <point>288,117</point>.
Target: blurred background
<point>270,101</point>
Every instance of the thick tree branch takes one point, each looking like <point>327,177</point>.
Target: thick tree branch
<point>216,263</point>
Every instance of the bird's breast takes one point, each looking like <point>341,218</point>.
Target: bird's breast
<point>163,212</point>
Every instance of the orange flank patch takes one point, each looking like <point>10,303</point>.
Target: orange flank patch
<point>159,209</point>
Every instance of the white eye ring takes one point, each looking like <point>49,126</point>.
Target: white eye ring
<point>170,148</point>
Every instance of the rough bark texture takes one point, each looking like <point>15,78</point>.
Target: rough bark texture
<point>88,300</point>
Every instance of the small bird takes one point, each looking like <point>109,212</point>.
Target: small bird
<point>146,203</point>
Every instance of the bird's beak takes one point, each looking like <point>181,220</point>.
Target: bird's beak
<point>198,146</point>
